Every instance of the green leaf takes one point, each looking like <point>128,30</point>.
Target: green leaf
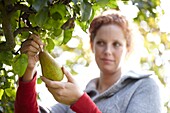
<point>31,1</point>
<point>39,4</point>
<point>57,32</point>
<point>68,24</point>
<point>56,16</point>
<point>24,35</point>
<point>67,35</point>
<point>112,4</point>
<point>53,24</point>
<point>13,1</point>
<point>50,45</point>
<point>1,64</point>
<point>20,64</point>
<point>1,93</point>
<point>39,81</point>
<point>104,2</point>
<point>83,25</point>
<point>6,57</point>
<point>86,11</point>
<point>41,17</point>
<point>10,92</point>
<point>32,19</point>
<point>60,8</point>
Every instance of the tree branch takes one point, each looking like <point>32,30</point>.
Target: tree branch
<point>7,29</point>
<point>20,30</point>
<point>7,9</point>
<point>1,5</point>
<point>23,8</point>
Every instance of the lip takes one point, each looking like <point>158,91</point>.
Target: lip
<point>107,60</point>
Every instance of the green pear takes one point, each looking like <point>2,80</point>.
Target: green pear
<point>50,68</point>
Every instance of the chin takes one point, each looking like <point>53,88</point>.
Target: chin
<point>110,70</point>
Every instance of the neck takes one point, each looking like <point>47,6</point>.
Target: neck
<point>106,80</point>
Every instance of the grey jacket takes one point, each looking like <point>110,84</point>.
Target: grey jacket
<point>135,92</point>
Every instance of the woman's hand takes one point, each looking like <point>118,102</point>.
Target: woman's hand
<point>32,46</point>
<point>64,92</point>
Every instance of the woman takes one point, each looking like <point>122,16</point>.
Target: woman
<point>115,91</point>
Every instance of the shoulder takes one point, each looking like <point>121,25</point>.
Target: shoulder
<point>143,79</point>
<point>148,81</point>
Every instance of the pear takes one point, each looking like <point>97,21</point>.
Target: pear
<point>50,68</point>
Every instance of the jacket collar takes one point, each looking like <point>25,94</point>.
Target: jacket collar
<point>127,77</point>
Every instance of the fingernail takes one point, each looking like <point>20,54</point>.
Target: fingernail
<point>41,47</point>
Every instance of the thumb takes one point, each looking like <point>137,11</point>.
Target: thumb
<point>68,75</point>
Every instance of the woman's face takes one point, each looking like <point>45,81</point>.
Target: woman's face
<point>109,47</point>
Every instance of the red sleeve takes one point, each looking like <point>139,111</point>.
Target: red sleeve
<point>85,105</point>
<point>26,97</point>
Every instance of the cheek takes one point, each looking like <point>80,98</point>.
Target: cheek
<point>97,50</point>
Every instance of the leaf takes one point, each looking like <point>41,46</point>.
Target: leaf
<point>50,45</point>
<point>86,11</point>
<point>57,32</point>
<point>13,1</point>
<point>20,64</point>
<point>6,57</point>
<point>56,16</point>
<point>32,19</point>
<point>83,25</point>
<point>30,1</point>
<point>39,4</point>
<point>1,93</point>
<point>39,81</point>
<point>10,92</point>
<point>1,64</point>
<point>68,24</point>
<point>41,17</point>
<point>24,35</point>
<point>60,8</point>
<point>53,24</point>
<point>112,4</point>
<point>67,35</point>
<point>104,2</point>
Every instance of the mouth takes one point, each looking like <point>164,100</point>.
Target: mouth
<point>107,60</point>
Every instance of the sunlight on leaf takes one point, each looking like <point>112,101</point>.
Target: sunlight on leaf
<point>1,93</point>
<point>10,92</point>
<point>20,64</point>
<point>50,45</point>
<point>67,35</point>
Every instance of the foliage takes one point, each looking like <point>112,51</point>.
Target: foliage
<point>54,21</point>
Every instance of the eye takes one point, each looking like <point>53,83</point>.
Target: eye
<point>116,44</point>
<point>101,43</point>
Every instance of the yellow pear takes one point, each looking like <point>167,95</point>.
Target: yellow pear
<point>50,68</point>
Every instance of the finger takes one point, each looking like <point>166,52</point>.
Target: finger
<point>28,43</point>
<point>58,92</point>
<point>37,39</point>
<point>29,49</point>
<point>68,75</point>
<point>32,36</point>
<point>52,84</point>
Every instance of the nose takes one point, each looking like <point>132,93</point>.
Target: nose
<point>108,50</point>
